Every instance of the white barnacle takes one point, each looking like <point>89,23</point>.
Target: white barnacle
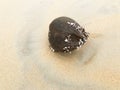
<point>64,48</point>
<point>68,47</point>
<point>66,40</point>
<point>69,37</point>
<point>81,41</point>
<point>67,50</point>
<point>68,23</point>
<point>52,49</point>
<point>80,46</point>
<point>85,39</point>
<point>78,27</point>
<point>72,24</point>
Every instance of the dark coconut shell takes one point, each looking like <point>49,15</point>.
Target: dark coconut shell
<point>66,35</point>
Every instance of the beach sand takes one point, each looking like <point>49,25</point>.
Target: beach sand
<point>26,61</point>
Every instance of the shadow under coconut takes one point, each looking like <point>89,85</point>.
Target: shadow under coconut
<point>83,55</point>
